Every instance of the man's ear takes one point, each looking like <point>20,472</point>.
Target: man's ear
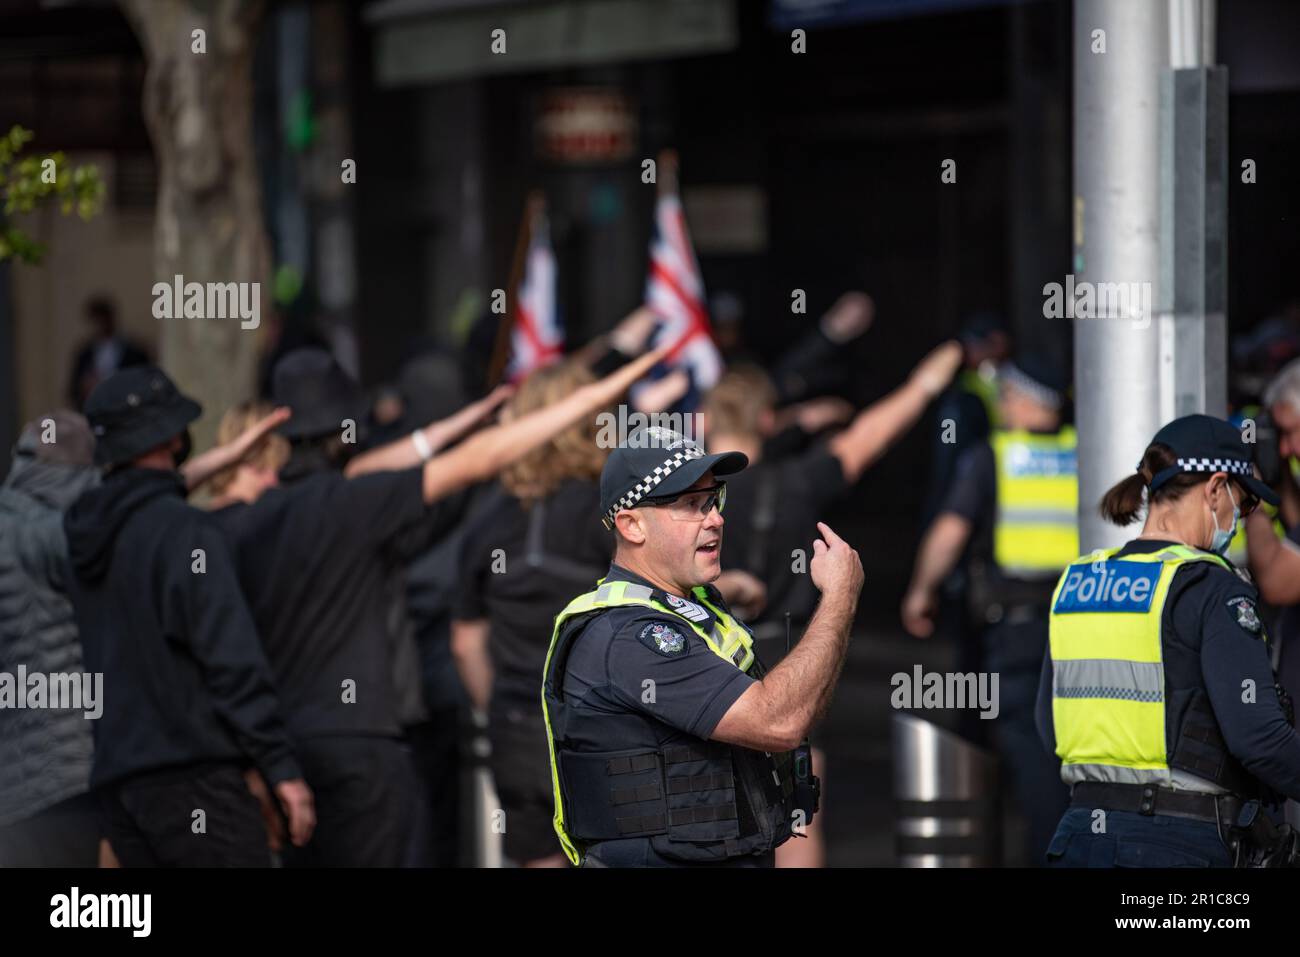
<point>631,525</point>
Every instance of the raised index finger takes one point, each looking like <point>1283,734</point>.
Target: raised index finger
<point>828,534</point>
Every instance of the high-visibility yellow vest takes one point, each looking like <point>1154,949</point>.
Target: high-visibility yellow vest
<point>1108,665</point>
<point>728,639</point>
<point>1037,527</point>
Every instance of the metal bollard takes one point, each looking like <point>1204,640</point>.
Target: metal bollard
<point>484,805</point>
<point>945,794</point>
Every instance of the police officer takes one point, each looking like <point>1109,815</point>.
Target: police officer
<point>1013,507</point>
<point>670,746</point>
<point>1157,693</point>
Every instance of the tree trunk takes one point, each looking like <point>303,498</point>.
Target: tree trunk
<point>199,110</point>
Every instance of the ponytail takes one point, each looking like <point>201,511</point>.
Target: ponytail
<point>1122,504</point>
<point>1123,501</point>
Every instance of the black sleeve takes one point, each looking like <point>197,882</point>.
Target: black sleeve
<point>1043,706</point>
<point>373,508</point>
<point>476,560</point>
<point>789,441</point>
<point>610,362</point>
<point>960,417</point>
<point>386,510</point>
<point>657,665</point>
<point>209,613</point>
<point>814,361</point>
<point>820,478</point>
<point>973,494</point>
<point>435,523</point>
<point>1239,678</point>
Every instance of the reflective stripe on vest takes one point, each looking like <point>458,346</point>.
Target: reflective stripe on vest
<point>728,639</point>
<point>1108,679</point>
<point>1036,532</point>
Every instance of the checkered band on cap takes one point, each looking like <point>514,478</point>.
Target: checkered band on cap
<point>1235,466</point>
<point>650,482</point>
<point>1044,396</point>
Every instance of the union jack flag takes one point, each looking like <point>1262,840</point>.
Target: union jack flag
<point>675,291</point>
<point>537,337</point>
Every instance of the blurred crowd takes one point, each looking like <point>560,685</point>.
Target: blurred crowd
<point>303,651</point>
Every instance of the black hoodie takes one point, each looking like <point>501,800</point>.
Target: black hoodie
<point>162,617</point>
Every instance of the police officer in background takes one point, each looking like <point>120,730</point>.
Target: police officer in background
<point>670,746</point>
<point>1158,694</point>
<point>1025,479</point>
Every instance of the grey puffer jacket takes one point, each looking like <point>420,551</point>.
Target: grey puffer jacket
<point>44,753</point>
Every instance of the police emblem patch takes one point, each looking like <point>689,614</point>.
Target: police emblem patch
<point>1247,617</point>
<point>663,639</point>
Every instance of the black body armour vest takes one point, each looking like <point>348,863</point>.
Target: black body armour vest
<point>630,775</point>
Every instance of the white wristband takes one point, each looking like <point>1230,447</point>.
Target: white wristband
<point>423,448</point>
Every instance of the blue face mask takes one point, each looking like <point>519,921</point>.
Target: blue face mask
<point>1223,536</point>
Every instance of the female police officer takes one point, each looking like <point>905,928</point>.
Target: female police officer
<point>1157,692</point>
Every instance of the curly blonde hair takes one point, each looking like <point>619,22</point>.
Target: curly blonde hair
<point>573,454</point>
<point>271,453</point>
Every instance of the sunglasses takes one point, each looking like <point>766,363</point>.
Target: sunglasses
<point>693,504</point>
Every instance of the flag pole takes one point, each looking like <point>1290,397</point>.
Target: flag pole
<point>666,176</point>
<point>534,206</point>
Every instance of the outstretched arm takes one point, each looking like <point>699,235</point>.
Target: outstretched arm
<point>629,338</point>
<point>882,423</point>
<point>939,554</point>
<point>469,649</point>
<point>484,455</point>
<point>403,454</point>
<point>1274,563</point>
<point>197,470</point>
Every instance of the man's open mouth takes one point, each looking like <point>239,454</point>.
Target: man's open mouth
<point>710,549</point>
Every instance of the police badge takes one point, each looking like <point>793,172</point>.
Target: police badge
<point>662,639</point>
<point>1247,617</point>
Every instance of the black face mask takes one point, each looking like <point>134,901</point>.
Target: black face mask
<point>187,446</point>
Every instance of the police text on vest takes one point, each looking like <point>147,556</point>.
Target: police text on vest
<point>1113,586</point>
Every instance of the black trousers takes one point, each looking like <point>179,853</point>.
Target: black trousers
<point>151,821</point>
<point>365,791</point>
<point>435,754</point>
<point>63,835</point>
<point>1014,650</point>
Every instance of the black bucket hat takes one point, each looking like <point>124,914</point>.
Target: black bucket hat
<point>312,383</point>
<point>655,462</point>
<point>1203,443</point>
<point>135,410</point>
